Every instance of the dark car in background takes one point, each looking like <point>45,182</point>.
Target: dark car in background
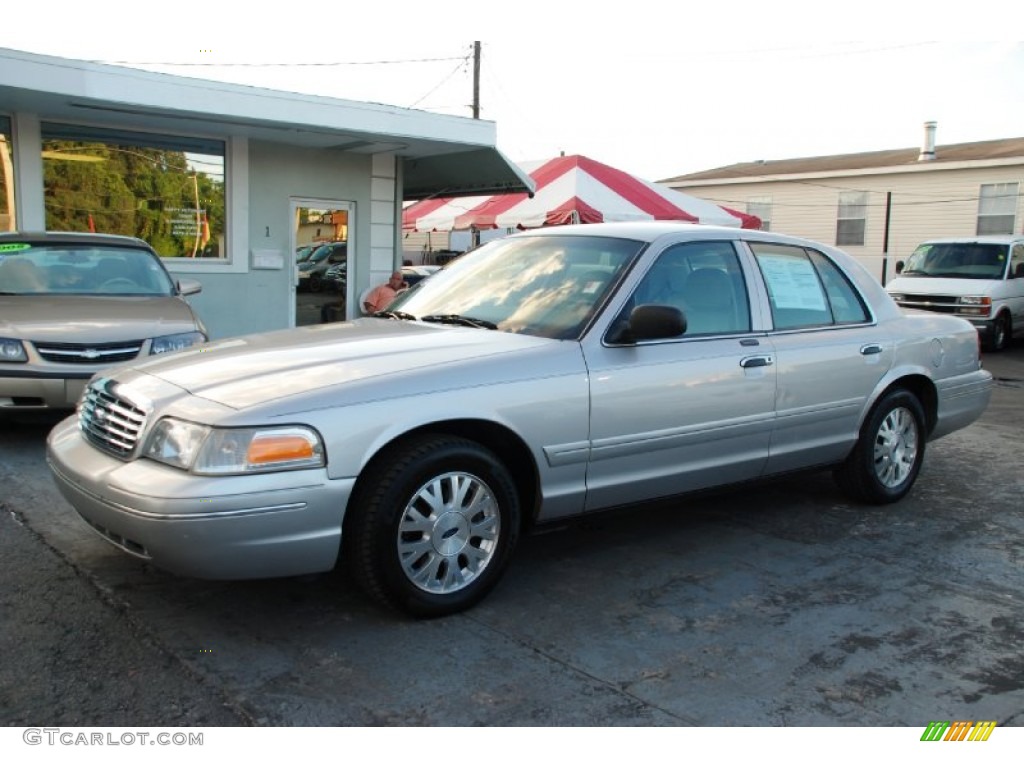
<point>311,271</point>
<point>74,303</point>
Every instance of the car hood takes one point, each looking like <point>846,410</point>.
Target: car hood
<point>93,319</point>
<point>370,358</point>
<point>940,286</point>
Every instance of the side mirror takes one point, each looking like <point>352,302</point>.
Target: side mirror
<point>188,287</point>
<point>900,265</point>
<point>650,321</point>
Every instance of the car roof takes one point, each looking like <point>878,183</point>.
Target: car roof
<point>73,238</point>
<point>651,231</point>
<point>994,239</point>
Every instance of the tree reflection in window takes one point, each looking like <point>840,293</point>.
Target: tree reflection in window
<point>156,188</point>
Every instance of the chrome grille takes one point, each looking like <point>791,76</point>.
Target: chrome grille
<point>931,303</point>
<point>108,422</point>
<point>112,352</point>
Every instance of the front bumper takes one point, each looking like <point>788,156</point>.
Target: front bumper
<point>39,393</point>
<point>984,326</point>
<point>237,527</point>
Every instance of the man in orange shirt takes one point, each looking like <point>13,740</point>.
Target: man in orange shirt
<point>383,294</point>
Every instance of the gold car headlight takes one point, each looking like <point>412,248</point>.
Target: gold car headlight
<point>206,450</point>
<point>12,351</point>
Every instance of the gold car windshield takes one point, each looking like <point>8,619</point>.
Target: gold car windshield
<point>546,285</point>
<point>48,269</point>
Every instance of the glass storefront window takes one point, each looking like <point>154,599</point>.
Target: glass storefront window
<point>166,190</point>
<point>7,219</point>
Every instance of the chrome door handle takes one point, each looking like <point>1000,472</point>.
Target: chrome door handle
<point>757,361</point>
<point>871,349</point>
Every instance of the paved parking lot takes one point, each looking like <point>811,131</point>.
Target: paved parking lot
<point>780,604</point>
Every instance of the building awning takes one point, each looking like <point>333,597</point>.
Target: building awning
<point>460,174</point>
<point>441,154</point>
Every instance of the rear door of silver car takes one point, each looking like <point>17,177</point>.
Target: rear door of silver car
<point>830,354</point>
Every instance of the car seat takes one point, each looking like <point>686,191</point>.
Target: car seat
<point>710,302</point>
<point>21,276</point>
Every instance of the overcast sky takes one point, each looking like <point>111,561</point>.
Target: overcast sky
<point>658,89</point>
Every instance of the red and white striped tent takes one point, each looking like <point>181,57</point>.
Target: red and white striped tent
<point>570,190</point>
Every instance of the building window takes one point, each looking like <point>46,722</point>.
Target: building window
<point>166,190</point>
<point>997,208</point>
<point>7,218</point>
<point>762,208</point>
<point>852,219</point>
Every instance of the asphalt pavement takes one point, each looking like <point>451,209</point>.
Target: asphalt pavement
<point>772,605</point>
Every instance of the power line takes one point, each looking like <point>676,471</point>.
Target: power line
<point>276,64</point>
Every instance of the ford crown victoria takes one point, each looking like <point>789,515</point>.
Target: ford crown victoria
<point>540,377</point>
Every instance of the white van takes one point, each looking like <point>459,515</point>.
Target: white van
<point>978,278</point>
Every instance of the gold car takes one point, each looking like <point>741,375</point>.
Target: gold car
<point>74,303</point>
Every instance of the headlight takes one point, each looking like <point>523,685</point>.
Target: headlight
<point>975,305</point>
<point>210,451</point>
<point>12,351</point>
<point>175,342</point>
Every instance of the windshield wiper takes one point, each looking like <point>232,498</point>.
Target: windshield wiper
<point>472,322</point>
<point>394,315</point>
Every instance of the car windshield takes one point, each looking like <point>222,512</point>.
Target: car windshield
<point>47,269</point>
<point>981,261</point>
<point>542,285</point>
<point>321,253</point>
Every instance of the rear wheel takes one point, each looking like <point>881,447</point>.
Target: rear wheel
<point>433,526</point>
<point>887,458</point>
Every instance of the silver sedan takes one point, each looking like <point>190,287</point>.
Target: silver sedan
<point>540,377</point>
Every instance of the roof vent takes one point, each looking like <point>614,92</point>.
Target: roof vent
<point>928,147</point>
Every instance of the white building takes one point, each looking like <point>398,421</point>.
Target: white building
<point>878,206</point>
<point>264,168</point>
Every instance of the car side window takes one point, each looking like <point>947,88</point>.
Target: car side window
<point>805,289</point>
<point>705,281</point>
<point>847,305</point>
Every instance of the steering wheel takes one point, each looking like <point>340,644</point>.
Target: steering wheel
<point>116,283</point>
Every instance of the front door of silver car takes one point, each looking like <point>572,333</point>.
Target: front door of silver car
<point>676,414</point>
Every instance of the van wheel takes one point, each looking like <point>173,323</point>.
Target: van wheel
<point>433,525</point>
<point>1001,332</point>
<point>886,460</point>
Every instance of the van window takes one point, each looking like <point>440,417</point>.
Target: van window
<point>981,261</point>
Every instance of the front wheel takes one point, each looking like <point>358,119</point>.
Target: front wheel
<point>887,458</point>
<point>1001,331</point>
<point>432,526</point>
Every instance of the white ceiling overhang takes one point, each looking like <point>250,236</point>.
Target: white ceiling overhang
<point>441,154</point>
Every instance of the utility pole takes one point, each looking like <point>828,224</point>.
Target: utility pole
<point>474,236</point>
<point>476,80</point>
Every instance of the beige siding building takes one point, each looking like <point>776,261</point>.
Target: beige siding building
<point>878,204</point>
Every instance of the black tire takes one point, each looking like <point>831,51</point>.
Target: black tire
<point>1001,332</point>
<point>886,460</point>
<point>316,284</point>
<point>432,525</point>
